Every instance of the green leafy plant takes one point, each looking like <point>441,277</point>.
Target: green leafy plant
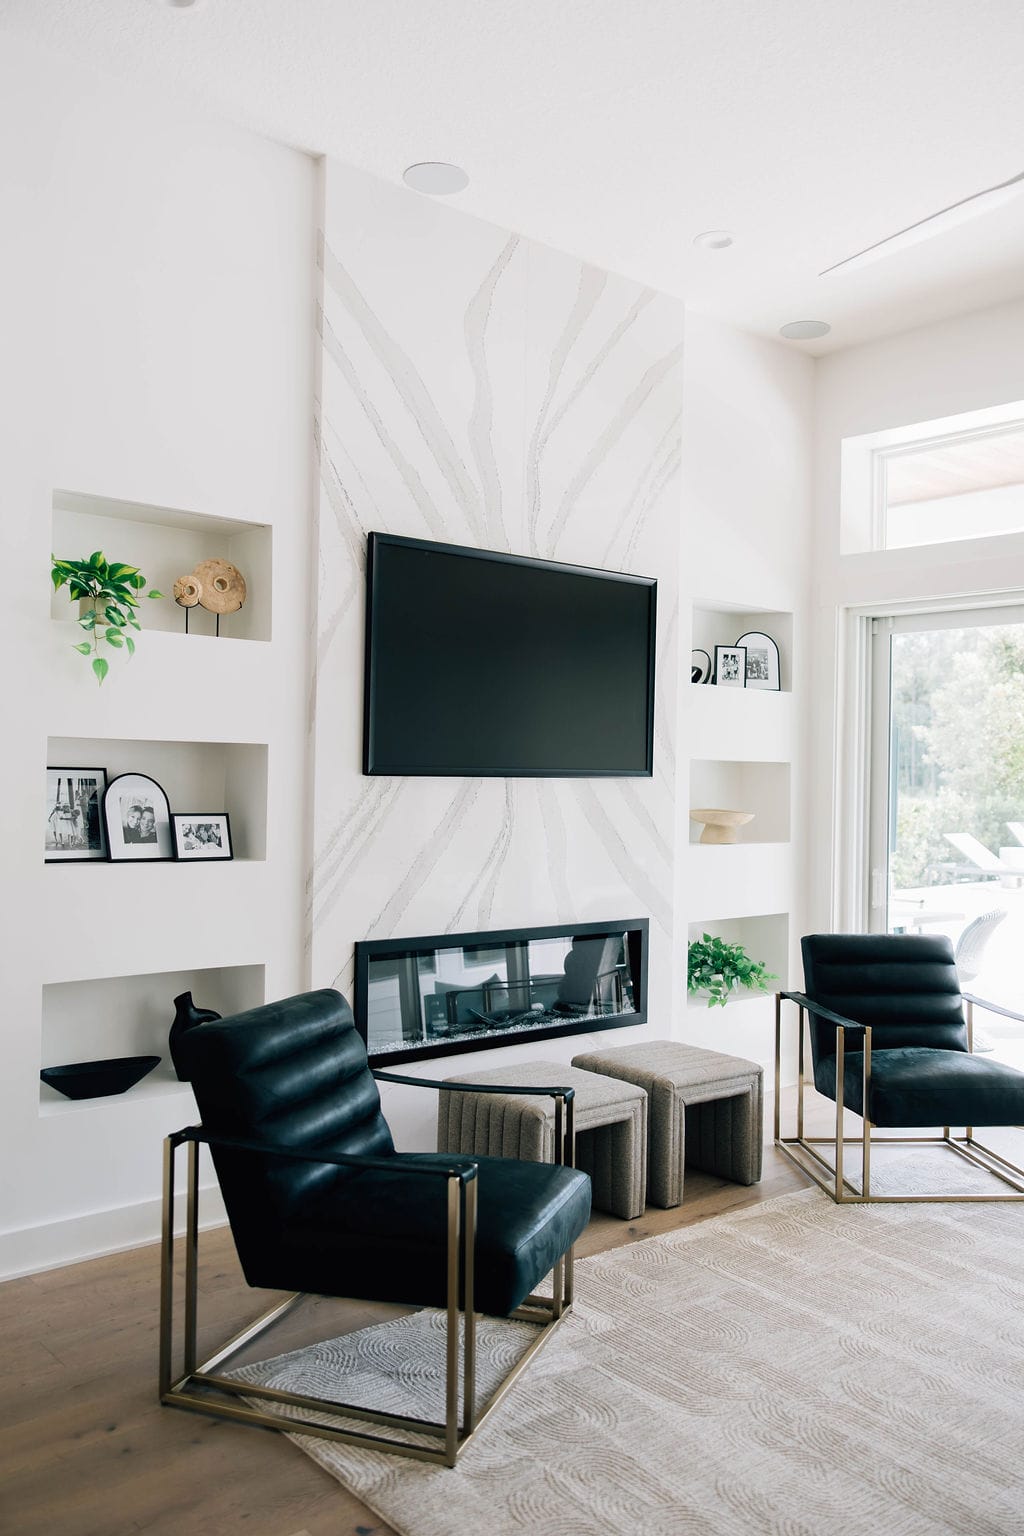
<point>719,969</point>
<point>111,591</point>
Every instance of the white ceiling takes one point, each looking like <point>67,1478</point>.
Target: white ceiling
<point>620,129</point>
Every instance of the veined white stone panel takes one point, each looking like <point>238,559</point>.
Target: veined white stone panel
<point>481,389</point>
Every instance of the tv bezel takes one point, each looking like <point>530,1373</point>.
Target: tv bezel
<point>376,539</point>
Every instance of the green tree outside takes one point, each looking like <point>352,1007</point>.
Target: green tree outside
<point>958,745</point>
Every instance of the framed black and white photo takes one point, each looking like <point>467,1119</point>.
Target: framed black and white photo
<point>700,666</point>
<point>762,660</point>
<point>201,835</point>
<point>137,818</point>
<point>731,666</point>
<point>74,814</point>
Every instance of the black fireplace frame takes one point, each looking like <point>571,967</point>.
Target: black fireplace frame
<point>370,949</point>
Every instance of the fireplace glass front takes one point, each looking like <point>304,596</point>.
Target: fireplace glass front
<point>462,992</point>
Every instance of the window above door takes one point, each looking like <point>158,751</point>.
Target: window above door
<point>935,482</point>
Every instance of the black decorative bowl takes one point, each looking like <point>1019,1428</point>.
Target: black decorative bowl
<point>98,1079</point>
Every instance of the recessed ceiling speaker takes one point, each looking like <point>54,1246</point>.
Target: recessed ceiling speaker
<point>436,177</point>
<point>804,330</point>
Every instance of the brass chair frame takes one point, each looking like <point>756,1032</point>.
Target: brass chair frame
<point>801,1149</point>
<point>194,1385</point>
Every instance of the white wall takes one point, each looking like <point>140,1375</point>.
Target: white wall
<point>748,420</point>
<point>964,364</point>
<point>481,389</point>
<point>157,281</point>
<point>158,286</point>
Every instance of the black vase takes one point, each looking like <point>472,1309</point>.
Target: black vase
<point>186,1016</point>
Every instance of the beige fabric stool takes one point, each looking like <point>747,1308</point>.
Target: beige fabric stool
<point>704,1109</point>
<point>610,1117</point>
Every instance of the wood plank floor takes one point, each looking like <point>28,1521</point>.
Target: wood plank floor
<point>86,1449</point>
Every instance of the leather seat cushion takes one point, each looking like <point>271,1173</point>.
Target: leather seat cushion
<point>917,1086</point>
<point>381,1235</point>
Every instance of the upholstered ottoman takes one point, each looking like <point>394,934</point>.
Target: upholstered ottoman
<point>610,1118</point>
<point>704,1109</point>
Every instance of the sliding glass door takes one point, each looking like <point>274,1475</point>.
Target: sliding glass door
<point>947,784</point>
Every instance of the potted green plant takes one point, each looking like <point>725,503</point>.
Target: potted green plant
<point>108,593</point>
<point>719,969</point>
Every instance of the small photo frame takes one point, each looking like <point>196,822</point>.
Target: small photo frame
<point>201,835</point>
<point>74,828</point>
<point>731,666</point>
<point>137,818</point>
<point>700,666</point>
<point>762,660</point>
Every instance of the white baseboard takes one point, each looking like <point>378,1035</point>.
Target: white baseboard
<point>54,1244</point>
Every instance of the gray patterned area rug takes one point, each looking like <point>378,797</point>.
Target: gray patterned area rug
<point>799,1369</point>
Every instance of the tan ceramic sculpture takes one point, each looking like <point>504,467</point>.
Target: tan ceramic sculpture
<point>721,826</point>
<point>216,585</point>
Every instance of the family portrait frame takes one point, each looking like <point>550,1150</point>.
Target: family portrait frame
<point>75,831</point>
<point>763,669</point>
<point>730,666</point>
<point>201,835</point>
<point>137,818</point>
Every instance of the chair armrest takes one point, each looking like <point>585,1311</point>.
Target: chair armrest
<point>822,1012</point>
<point>980,1002</point>
<point>430,1082</point>
<point>325,1159</point>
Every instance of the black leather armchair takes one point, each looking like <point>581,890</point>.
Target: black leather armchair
<point>319,1201</point>
<point>890,1041</point>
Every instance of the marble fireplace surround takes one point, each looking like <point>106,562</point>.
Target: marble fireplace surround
<point>453,993</point>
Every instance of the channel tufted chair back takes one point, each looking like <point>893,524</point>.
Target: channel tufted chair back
<point>290,1074</point>
<point>906,986</point>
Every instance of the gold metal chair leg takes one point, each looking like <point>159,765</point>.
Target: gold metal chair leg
<point>778,1067</point>
<point>865,1122</point>
<point>469,1324</point>
<point>840,1090</point>
<point>451,1378</point>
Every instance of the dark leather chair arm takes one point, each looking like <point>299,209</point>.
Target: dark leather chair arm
<point>430,1082</point>
<point>980,1002</point>
<point>822,1012</point>
<point>325,1159</point>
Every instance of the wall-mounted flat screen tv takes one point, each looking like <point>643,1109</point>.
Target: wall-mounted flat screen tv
<point>488,664</point>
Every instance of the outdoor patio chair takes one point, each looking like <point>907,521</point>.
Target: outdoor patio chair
<point>890,1041</point>
<point>319,1201</point>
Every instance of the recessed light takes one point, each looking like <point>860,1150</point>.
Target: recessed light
<point>804,330</point>
<point>714,240</point>
<point>436,177</point>
<point>181,5</point>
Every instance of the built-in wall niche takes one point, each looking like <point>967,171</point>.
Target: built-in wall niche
<point>764,937</point>
<point>131,1016</point>
<point>195,776</point>
<point>721,623</point>
<point>743,786</point>
<point>165,543</point>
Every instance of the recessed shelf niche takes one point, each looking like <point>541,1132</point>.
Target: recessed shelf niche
<point>743,786</point>
<point>195,776</point>
<point>131,1016</point>
<point>764,937</point>
<point>165,543</point>
<point>720,623</point>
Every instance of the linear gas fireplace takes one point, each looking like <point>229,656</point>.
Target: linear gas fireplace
<point>467,991</point>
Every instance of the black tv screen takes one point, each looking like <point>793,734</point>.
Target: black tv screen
<point>487,664</point>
